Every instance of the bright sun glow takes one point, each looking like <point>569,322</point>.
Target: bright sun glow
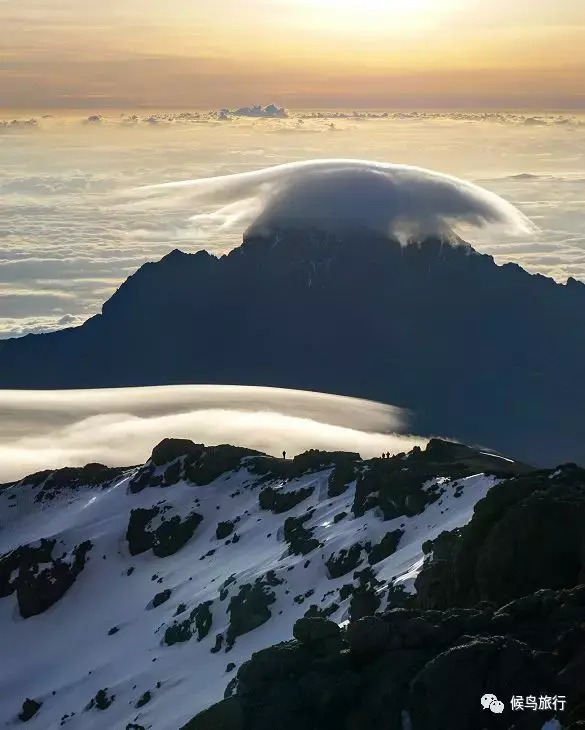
<point>384,7</point>
<point>375,17</point>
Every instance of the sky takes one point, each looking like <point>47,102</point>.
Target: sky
<point>133,54</point>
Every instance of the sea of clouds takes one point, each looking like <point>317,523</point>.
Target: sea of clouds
<point>68,242</point>
<point>119,427</point>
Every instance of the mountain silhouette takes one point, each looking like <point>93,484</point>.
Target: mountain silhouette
<point>486,354</point>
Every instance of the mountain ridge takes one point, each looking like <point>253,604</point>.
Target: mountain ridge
<point>229,573</point>
<point>479,352</point>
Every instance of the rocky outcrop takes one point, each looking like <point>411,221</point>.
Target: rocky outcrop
<point>318,633</point>
<point>226,715</point>
<point>213,461</point>
<point>406,483</point>
<point>368,636</point>
<point>510,589</point>
<point>29,709</point>
<point>184,459</point>
<point>166,539</point>
<point>342,476</point>
<point>385,548</point>
<point>298,536</point>
<point>249,609</point>
<point>170,449</point>
<point>526,534</point>
<point>278,501</point>
<point>161,597</point>
<point>315,460</point>
<point>224,529</point>
<point>428,665</point>
<point>52,483</point>
<point>197,624</point>
<point>507,666</point>
<point>309,461</point>
<point>345,561</point>
<point>102,700</point>
<point>39,579</point>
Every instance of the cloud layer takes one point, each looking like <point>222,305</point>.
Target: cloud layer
<point>119,427</point>
<point>399,200</point>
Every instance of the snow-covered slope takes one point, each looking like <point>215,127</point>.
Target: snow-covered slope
<point>154,583</point>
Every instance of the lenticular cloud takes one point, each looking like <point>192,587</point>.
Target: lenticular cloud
<point>401,201</point>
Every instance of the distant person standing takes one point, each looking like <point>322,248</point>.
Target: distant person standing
<point>284,454</point>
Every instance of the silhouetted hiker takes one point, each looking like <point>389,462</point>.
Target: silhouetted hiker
<point>387,454</point>
<point>284,454</point>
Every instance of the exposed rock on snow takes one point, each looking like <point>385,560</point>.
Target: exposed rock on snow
<point>136,582</point>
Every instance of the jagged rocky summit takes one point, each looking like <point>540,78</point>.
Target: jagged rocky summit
<point>481,353</point>
<point>324,591</point>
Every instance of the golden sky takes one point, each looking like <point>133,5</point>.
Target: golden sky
<point>103,54</point>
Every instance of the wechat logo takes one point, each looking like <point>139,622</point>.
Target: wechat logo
<point>491,702</point>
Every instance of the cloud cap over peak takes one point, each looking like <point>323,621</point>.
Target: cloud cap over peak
<point>402,201</point>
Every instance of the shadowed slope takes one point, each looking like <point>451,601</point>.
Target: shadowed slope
<point>486,354</point>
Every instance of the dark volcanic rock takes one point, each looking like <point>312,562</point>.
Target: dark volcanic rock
<point>505,627</point>
<point>395,485</point>
<point>50,483</point>
<point>434,666</point>
<point>249,609</point>
<point>102,700</point>
<point>278,502</point>
<point>341,477</point>
<point>365,598</point>
<point>312,631</point>
<point>197,624</point>
<point>161,598</point>
<point>29,710</point>
<point>139,538</point>
<point>214,461</point>
<point>526,534</point>
<point>37,590</point>
<point>500,666</point>
<point>170,449</point>
<point>173,534</point>
<point>226,715</point>
<point>166,539</point>
<point>306,277</point>
<point>345,561</point>
<point>385,548</point>
<point>224,529</point>
<point>369,635</point>
<point>315,460</point>
<point>299,537</point>
<point>196,463</point>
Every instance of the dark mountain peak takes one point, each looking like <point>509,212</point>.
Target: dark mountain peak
<point>318,243</point>
<point>480,353</point>
<point>575,284</point>
<point>178,257</point>
<point>173,255</point>
<point>154,282</point>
